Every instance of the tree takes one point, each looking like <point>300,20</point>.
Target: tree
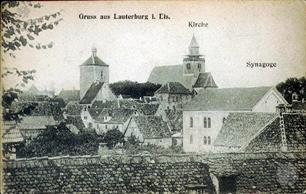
<point>113,137</point>
<point>134,89</point>
<point>18,32</point>
<point>293,85</point>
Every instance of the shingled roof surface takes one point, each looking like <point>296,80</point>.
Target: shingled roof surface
<point>94,112</point>
<point>205,80</point>
<point>152,126</point>
<point>164,74</point>
<point>11,134</point>
<point>74,108</point>
<point>173,88</point>
<point>143,108</point>
<point>36,122</point>
<point>175,120</point>
<point>118,115</point>
<point>91,93</point>
<point>226,99</point>
<point>270,139</point>
<point>94,61</point>
<point>240,127</point>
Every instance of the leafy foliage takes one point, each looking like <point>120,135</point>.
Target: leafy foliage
<point>113,137</point>
<point>293,85</point>
<point>55,141</point>
<point>60,140</point>
<point>19,32</point>
<point>134,89</point>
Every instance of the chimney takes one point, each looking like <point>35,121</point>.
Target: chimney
<point>118,103</point>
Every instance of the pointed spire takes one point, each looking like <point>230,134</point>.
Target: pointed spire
<point>94,54</point>
<point>193,46</point>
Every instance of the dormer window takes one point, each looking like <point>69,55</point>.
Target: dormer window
<point>188,66</point>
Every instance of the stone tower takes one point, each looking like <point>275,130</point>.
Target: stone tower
<point>193,64</point>
<point>92,70</point>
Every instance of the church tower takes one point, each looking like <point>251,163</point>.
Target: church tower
<point>193,64</point>
<point>92,70</point>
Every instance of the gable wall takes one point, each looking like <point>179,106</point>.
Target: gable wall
<point>268,103</point>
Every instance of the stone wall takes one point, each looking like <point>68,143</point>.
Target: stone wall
<point>253,173</point>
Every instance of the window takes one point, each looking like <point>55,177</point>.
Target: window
<point>85,117</point>
<point>199,65</point>
<point>191,122</point>
<point>205,140</point>
<point>105,126</point>
<point>97,126</point>
<point>205,122</point>
<point>224,119</point>
<point>177,98</point>
<point>173,107</point>
<point>161,98</point>
<point>191,139</point>
<point>101,74</point>
<point>209,140</point>
<point>209,122</point>
<point>188,66</point>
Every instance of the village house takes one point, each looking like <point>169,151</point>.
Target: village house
<point>31,126</point>
<point>191,73</point>
<point>11,138</point>
<point>72,116</point>
<point>106,115</point>
<point>172,95</point>
<point>205,114</point>
<point>149,130</point>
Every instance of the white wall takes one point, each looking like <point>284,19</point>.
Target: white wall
<point>269,102</point>
<point>105,93</point>
<point>198,131</point>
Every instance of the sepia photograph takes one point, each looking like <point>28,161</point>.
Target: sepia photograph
<point>153,97</point>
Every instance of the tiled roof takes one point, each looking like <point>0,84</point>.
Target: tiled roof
<point>74,108</point>
<point>173,88</point>
<point>70,95</point>
<point>94,112</point>
<point>240,127</point>
<point>152,126</point>
<point>226,99</point>
<point>118,115</point>
<point>94,60</point>
<point>270,139</point>
<point>205,80</point>
<point>164,74</point>
<point>92,92</point>
<point>175,120</point>
<point>36,122</point>
<point>11,134</point>
<point>143,108</point>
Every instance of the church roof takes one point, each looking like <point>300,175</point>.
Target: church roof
<point>92,92</point>
<point>172,88</point>
<point>94,60</point>
<point>205,80</point>
<point>227,99</point>
<point>164,74</point>
<point>193,42</point>
<point>240,127</point>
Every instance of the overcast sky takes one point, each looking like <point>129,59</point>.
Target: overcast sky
<point>237,32</point>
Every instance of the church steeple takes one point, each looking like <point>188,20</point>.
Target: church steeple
<point>193,46</point>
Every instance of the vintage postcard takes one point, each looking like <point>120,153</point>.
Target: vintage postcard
<point>153,97</point>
